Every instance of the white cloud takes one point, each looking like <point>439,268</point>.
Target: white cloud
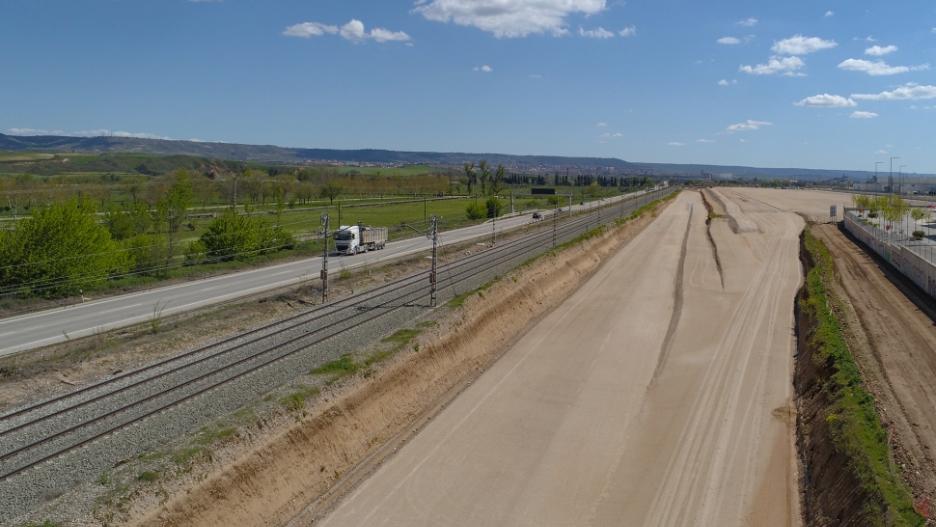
<point>788,66</point>
<point>611,135</point>
<point>310,29</point>
<point>705,141</point>
<point>880,51</point>
<point>829,13</point>
<point>878,68</point>
<point>601,124</point>
<point>676,143</point>
<point>627,32</point>
<point>863,115</point>
<point>382,35</point>
<point>535,76</point>
<point>825,100</point>
<point>747,22</point>
<point>726,82</point>
<point>97,132</point>
<point>748,126</point>
<point>484,68</point>
<point>907,92</point>
<point>800,45</point>
<point>509,19</point>
<point>729,41</point>
<point>598,32</point>
<point>354,31</point>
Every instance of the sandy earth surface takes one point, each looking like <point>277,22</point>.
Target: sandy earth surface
<point>895,344</point>
<point>653,396</point>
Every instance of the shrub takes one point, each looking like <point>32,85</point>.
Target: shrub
<point>60,249</point>
<point>918,235</point>
<point>494,207</point>
<point>231,236</point>
<point>476,211</point>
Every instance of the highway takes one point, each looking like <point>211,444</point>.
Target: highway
<point>42,328</point>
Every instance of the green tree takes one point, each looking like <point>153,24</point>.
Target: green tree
<point>172,210</point>
<point>494,207</point>
<point>471,176</point>
<point>485,176</point>
<point>231,236</point>
<point>330,190</point>
<point>497,182</point>
<point>61,249</point>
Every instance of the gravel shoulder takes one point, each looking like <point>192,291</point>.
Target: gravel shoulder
<point>894,341</point>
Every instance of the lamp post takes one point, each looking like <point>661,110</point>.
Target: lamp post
<point>900,179</point>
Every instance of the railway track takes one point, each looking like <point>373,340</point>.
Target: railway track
<point>35,436</point>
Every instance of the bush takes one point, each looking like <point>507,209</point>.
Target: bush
<point>494,207</point>
<point>233,236</point>
<point>59,250</point>
<point>476,211</point>
<point>195,253</point>
<point>918,235</point>
<point>146,253</point>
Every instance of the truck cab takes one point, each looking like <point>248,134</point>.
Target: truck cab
<point>354,239</point>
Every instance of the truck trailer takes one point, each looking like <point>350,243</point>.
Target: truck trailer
<point>354,239</point>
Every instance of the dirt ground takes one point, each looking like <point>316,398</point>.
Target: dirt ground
<point>657,394</point>
<point>299,471</point>
<point>894,341</point>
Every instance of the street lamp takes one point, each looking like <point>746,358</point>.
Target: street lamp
<point>900,179</point>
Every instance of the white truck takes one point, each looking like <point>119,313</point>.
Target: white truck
<point>354,239</point>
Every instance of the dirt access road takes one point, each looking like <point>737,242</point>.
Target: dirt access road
<point>658,394</point>
<point>894,342</point>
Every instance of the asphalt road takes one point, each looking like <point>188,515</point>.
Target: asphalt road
<point>658,394</point>
<point>43,328</point>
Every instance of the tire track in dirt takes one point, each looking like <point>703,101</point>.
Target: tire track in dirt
<point>711,239</point>
<point>678,300</point>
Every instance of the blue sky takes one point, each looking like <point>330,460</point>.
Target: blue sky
<point>638,80</point>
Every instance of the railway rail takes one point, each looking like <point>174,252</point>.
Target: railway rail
<point>38,434</point>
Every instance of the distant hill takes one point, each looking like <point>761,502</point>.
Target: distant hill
<point>282,155</point>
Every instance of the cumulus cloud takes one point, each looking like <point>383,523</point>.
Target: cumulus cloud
<point>484,68</point>
<point>826,100</point>
<point>598,32</point>
<point>829,13</point>
<point>705,141</point>
<point>800,45</point>
<point>601,124</point>
<point>353,31</point>
<point>726,82</point>
<point>747,22</point>
<point>611,135</point>
<point>748,126</point>
<point>627,32</point>
<point>863,115</point>
<point>676,143</point>
<point>878,68</point>
<point>907,92</point>
<point>509,19</point>
<point>310,29</point>
<point>880,51</point>
<point>729,41</point>
<point>788,66</point>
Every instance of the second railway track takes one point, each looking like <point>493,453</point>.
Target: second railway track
<point>34,438</point>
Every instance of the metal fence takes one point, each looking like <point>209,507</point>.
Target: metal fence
<point>914,256</point>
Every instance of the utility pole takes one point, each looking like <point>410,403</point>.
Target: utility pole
<point>494,225</point>
<point>432,274</point>
<point>890,178</point>
<point>426,209</point>
<point>324,272</point>
<point>876,165</point>
<point>555,222</point>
